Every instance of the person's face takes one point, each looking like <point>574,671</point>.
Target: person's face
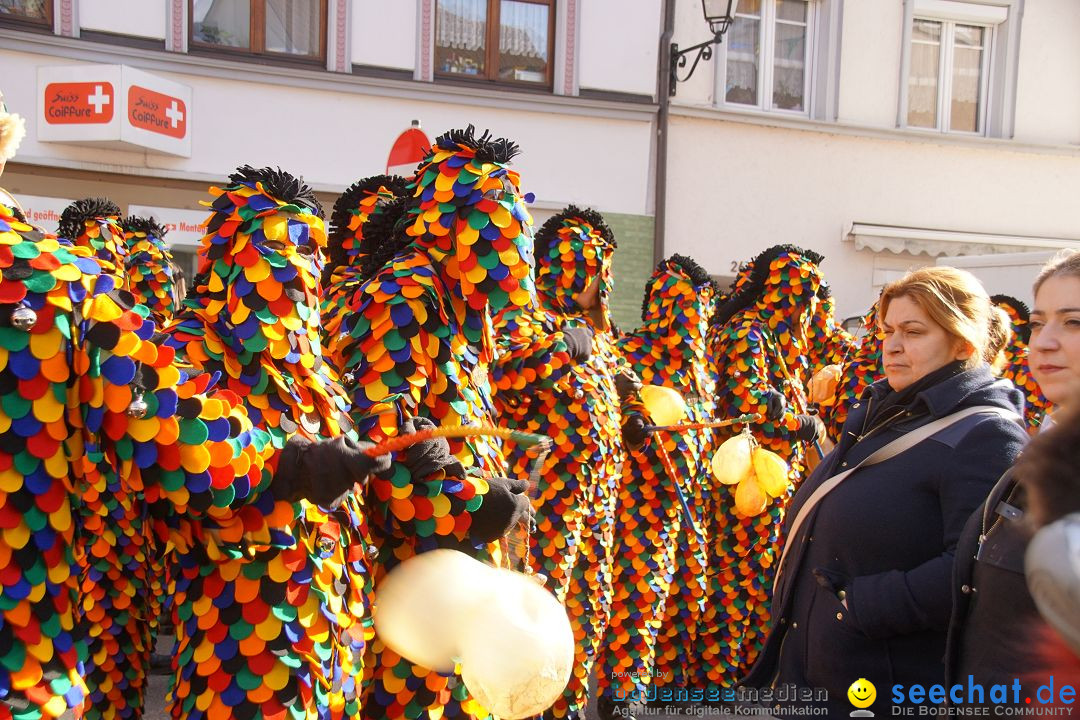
<point>1054,348</point>
<point>914,345</point>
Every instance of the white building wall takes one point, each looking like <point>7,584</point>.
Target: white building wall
<point>1048,86</point>
<point>384,33</point>
<point>142,18</point>
<point>873,33</point>
<point>691,29</point>
<point>333,137</point>
<point>776,185</point>
<point>619,44</point>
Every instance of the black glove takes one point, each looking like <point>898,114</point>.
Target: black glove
<point>633,431</point>
<point>775,404</point>
<point>427,457</point>
<point>626,385</point>
<point>323,471</point>
<point>810,428</point>
<point>578,342</point>
<point>504,506</point>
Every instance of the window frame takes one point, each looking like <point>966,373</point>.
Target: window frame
<point>1005,18</point>
<point>491,50</point>
<point>767,43</point>
<point>947,45</point>
<point>257,37</point>
<point>29,22</point>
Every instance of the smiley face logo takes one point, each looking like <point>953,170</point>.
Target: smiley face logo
<point>862,693</point>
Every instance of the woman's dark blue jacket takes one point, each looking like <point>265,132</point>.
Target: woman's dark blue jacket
<point>886,537</point>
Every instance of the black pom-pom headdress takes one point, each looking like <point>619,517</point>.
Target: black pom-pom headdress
<point>759,275</point>
<point>1023,312</point>
<point>73,219</point>
<point>145,225</point>
<point>279,184</point>
<point>487,149</point>
<point>697,275</point>
<point>548,234</point>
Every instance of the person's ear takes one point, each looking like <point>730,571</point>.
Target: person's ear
<point>964,350</point>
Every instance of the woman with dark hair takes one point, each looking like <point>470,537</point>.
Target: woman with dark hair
<point>862,588</point>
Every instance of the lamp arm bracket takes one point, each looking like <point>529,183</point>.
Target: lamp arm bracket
<point>679,57</point>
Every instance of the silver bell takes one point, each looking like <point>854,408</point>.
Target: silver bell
<point>138,407</point>
<point>326,546</point>
<point>23,317</point>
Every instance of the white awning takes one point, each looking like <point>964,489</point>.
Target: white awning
<point>924,241</point>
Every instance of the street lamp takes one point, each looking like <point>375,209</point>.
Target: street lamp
<point>719,14</point>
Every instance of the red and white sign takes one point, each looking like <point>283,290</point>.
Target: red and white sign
<point>408,150</point>
<point>114,105</point>
<point>44,212</point>
<point>156,112</point>
<point>79,103</point>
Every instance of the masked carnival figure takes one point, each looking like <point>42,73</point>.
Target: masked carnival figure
<point>97,419</point>
<point>837,390</point>
<point>417,348</point>
<point>760,364</point>
<point>269,596</point>
<point>661,557</point>
<point>151,270</point>
<point>556,376</point>
<point>115,546</point>
<point>359,247</point>
<point>1016,360</point>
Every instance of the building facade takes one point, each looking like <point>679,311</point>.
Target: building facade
<point>886,134</point>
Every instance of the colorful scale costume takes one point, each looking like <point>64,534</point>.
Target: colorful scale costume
<point>354,253</point>
<point>1016,361</point>
<point>542,390</point>
<point>829,344</point>
<point>115,546</point>
<point>268,596</point>
<point>150,268</point>
<point>659,578</point>
<point>82,381</point>
<point>762,345</point>
<point>419,344</point>
<point>861,369</point>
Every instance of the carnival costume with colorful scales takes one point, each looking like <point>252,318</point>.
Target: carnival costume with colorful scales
<point>659,578</point>
<point>419,344</point>
<point>761,347</point>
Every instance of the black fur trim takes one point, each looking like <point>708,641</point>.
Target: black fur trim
<point>281,185</point>
<point>488,149</point>
<point>759,273</point>
<point>18,214</point>
<point>824,291</point>
<point>549,231</point>
<point>149,226</point>
<point>1021,308</point>
<point>349,201</point>
<point>73,219</point>
<point>383,239</point>
<point>698,276</point>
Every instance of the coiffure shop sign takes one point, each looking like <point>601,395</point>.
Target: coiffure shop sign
<point>114,106</point>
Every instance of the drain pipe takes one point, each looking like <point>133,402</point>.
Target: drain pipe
<point>663,93</point>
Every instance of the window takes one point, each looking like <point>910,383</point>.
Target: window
<point>37,11</point>
<point>768,55</point>
<point>959,71</point>
<point>948,78</point>
<point>284,28</point>
<point>508,41</point>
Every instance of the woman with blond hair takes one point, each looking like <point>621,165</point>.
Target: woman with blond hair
<point>990,635</point>
<point>863,581</point>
